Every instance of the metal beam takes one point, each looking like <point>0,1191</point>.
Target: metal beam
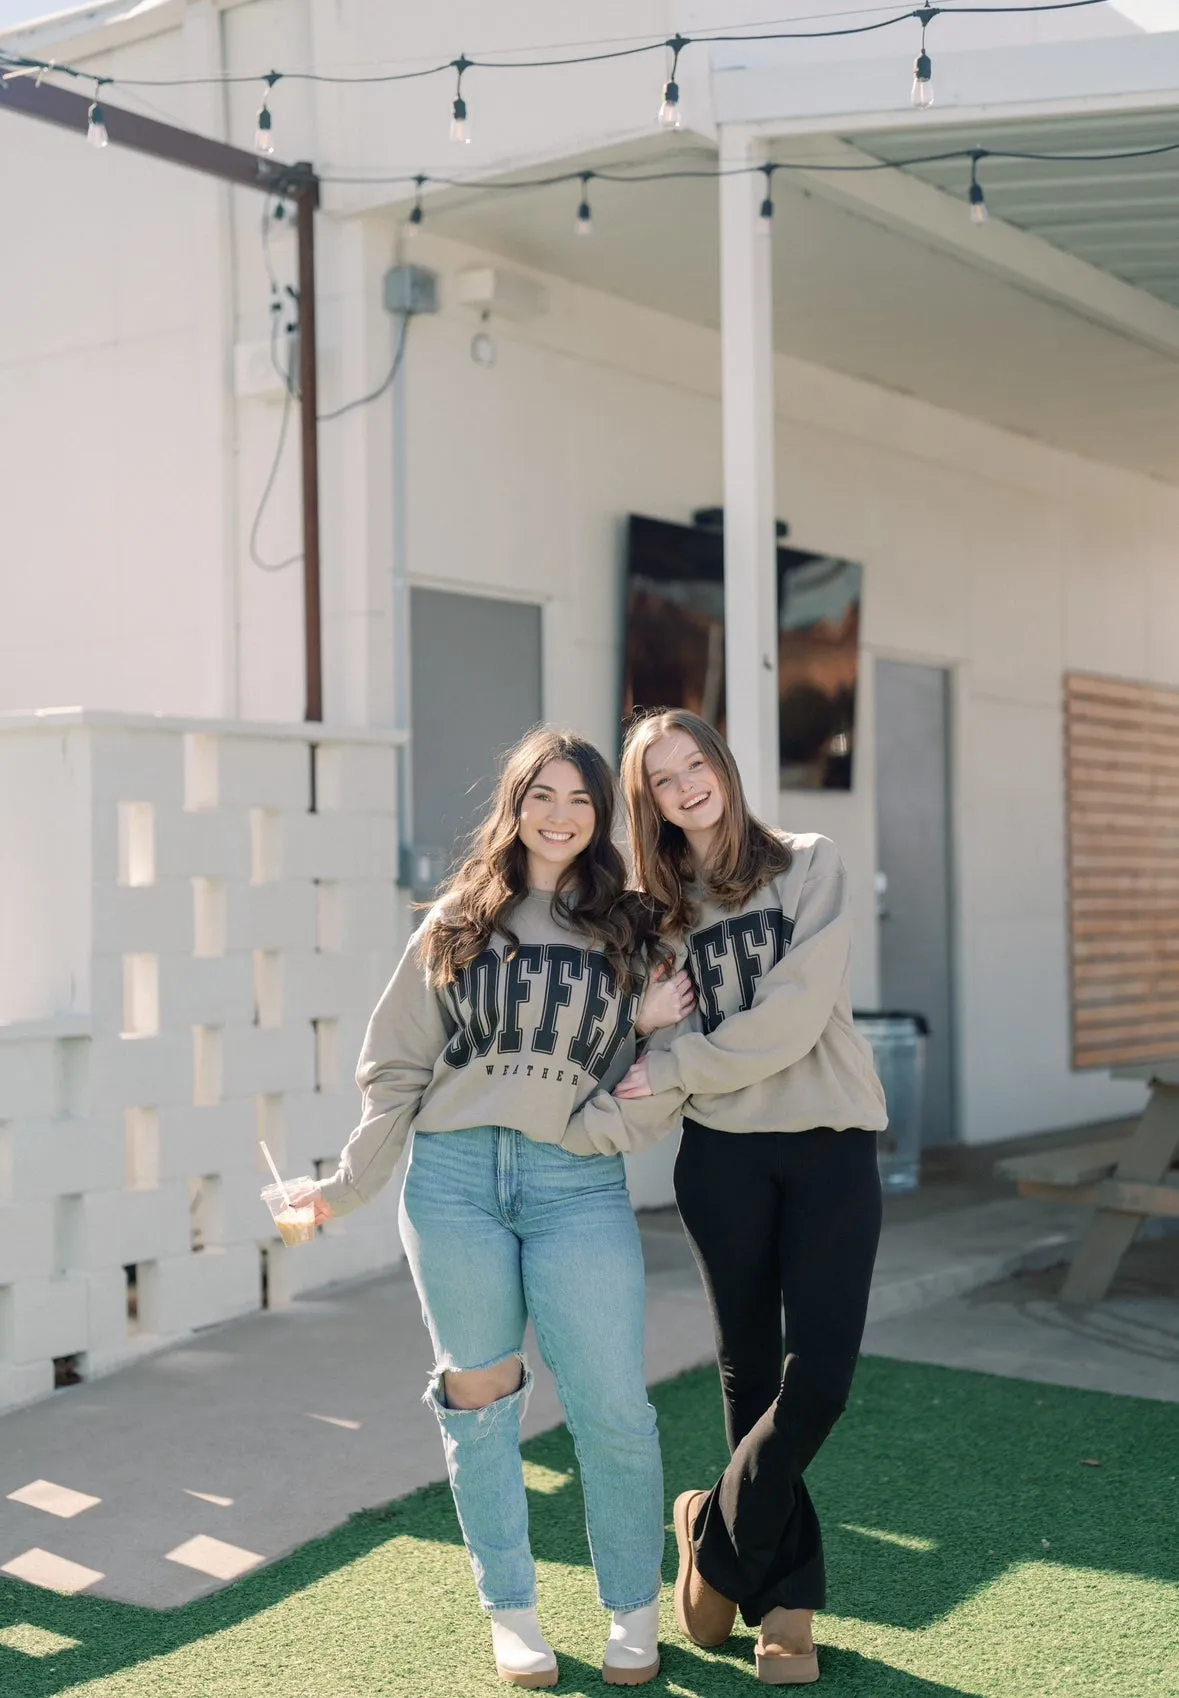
<point>309,413</point>
<point>69,110</point>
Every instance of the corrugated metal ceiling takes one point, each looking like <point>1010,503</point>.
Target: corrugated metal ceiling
<point>1120,215</point>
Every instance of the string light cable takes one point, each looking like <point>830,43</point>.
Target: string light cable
<point>273,212</point>
<point>386,384</point>
<point>15,65</point>
<point>288,398</point>
<point>669,112</point>
<point>291,392</point>
<point>427,66</point>
<point>624,175</point>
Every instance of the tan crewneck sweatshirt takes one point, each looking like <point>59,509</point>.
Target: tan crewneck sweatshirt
<point>531,1040</point>
<point>772,1047</point>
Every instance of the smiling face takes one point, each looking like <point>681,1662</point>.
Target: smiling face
<point>685,787</point>
<point>556,822</point>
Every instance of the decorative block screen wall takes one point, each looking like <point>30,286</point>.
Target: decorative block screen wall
<point>199,919</point>
<point>1122,765</point>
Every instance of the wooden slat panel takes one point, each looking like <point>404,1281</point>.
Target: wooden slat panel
<point>1086,686</point>
<point>1137,887</point>
<point>1155,1018</point>
<point>1124,978</point>
<point>1143,820</point>
<point>1122,1052</point>
<point>1152,716</point>
<point>1120,989</point>
<point>1122,815</point>
<point>1112,716</point>
<point>1143,844</point>
<point>1132,951</point>
<point>1100,1047</point>
<point>1106,905</point>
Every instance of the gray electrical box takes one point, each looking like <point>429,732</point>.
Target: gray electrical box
<point>411,289</point>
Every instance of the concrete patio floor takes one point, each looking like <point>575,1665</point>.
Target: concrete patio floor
<point>1017,1327</point>
<point>232,1449</point>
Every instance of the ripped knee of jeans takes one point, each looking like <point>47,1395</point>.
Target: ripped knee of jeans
<point>483,1418</point>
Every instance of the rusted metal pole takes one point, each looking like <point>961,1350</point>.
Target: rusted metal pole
<point>307,201</point>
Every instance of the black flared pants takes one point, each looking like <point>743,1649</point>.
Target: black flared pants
<point>784,1226</point>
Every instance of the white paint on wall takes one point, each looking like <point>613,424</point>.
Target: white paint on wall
<point>131,587</point>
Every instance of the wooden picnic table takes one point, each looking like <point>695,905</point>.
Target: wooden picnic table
<point>1123,1178</point>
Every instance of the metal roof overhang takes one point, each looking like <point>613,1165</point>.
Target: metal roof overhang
<point>1058,320</point>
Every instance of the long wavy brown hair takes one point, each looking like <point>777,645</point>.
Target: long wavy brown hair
<point>592,895</point>
<point>746,854</point>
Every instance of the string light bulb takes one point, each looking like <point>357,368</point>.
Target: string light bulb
<point>483,349</point>
<point>460,130</point>
<point>765,215</point>
<point>585,218</point>
<point>921,94</point>
<point>96,133</point>
<point>414,222</point>
<point>263,140</point>
<point>978,201</point>
<point>670,116</point>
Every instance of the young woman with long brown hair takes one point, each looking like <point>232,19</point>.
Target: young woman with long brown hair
<point>776,1176</point>
<point>513,1012</point>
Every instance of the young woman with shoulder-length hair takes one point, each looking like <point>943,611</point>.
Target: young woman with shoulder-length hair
<point>513,1012</point>
<point>776,1175</point>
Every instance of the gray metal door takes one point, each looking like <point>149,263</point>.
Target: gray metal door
<point>914,871</point>
<point>476,688</point>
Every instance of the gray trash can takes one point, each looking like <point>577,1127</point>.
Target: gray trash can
<point>898,1045</point>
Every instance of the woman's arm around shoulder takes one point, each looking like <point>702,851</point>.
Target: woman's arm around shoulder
<point>792,1003</point>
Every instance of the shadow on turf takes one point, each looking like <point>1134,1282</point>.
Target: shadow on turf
<point>114,1636</point>
<point>936,1482</point>
<point>845,1674</point>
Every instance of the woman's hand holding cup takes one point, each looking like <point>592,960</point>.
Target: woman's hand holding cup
<point>302,1193</point>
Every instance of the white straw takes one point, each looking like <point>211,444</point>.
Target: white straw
<point>278,1180</point>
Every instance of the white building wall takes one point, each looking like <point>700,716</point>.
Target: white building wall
<point>1005,561</point>
<point>127,581</point>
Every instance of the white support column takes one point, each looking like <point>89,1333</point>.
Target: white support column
<point>747,377</point>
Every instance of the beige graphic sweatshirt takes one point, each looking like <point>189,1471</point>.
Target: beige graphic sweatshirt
<point>771,1047</point>
<point>532,1040</point>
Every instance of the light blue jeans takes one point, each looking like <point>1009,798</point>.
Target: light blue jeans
<point>498,1228</point>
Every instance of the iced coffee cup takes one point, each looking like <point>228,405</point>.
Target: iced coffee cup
<point>295,1221</point>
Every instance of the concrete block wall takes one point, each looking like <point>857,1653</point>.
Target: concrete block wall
<point>234,916</point>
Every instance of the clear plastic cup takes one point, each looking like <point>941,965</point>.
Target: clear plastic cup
<point>295,1222</point>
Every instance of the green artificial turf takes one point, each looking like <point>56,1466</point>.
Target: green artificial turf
<point>971,1550</point>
